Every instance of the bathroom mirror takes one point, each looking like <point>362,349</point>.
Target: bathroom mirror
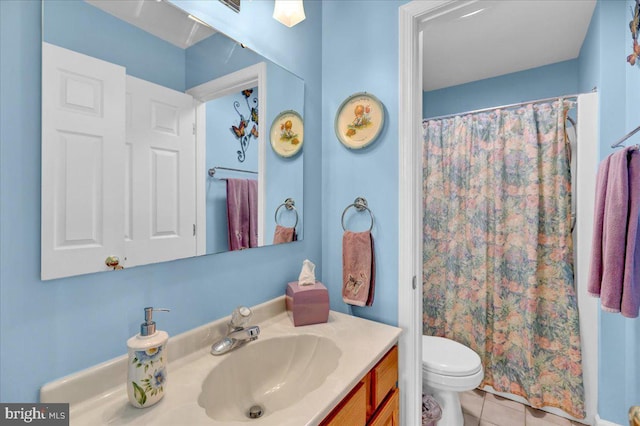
<point>150,118</point>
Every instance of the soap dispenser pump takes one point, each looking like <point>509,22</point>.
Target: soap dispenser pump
<point>147,373</point>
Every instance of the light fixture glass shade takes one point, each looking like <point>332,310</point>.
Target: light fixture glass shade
<point>289,12</point>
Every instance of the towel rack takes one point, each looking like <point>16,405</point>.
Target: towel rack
<point>212,171</point>
<point>619,143</point>
<point>360,204</point>
<point>289,204</point>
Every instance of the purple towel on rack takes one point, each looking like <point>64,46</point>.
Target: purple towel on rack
<point>631,284</point>
<point>253,212</point>
<point>614,232</point>
<point>615,267</point>
<point>242,214</point>
<point>595,274</point>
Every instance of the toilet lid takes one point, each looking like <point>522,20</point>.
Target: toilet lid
<point>448,357</point>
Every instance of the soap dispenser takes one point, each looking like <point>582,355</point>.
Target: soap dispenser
<point>147,374</point>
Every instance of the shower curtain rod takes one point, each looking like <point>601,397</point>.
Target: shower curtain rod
<point>501,107</point>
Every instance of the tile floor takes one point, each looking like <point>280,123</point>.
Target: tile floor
<point>485,409</point>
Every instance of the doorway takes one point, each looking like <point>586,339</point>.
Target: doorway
<point>412,17</point>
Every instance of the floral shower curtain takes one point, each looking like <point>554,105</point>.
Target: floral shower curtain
<point>498,255</point>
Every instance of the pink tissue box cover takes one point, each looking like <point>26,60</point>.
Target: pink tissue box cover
<point>307,304</point>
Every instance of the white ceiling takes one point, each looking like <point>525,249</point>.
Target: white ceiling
<point>506,36</point>
<point>159,18</point>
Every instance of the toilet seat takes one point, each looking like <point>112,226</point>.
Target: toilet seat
<point>446,357</point>
<point>448,368</point>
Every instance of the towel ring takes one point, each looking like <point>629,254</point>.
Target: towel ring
<point>289,204</point>
<point>359,204</point>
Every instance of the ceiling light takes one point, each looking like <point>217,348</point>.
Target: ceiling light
<point>289,12</point>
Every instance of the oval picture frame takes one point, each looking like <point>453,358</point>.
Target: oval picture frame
<point>287,133</point>
<point>359,120</point>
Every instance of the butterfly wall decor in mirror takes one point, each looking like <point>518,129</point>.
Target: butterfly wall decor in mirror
<point>241,131</point>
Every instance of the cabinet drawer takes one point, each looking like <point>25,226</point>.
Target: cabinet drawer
<point>384,377</point>
<point>352,410</point>
<point>388,413</point>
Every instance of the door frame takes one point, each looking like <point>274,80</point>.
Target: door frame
<point>412,16</point>
<point>235,82</point>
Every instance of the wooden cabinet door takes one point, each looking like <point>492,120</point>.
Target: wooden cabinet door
<point>388,413</point>
<point>384,377</point>
<point>374,400</point>
<point>352,410</point>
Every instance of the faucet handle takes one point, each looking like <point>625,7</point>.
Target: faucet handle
<point>240,317</point>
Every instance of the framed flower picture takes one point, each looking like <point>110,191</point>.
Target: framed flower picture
<point>287,133</point>
<point>359,120</point>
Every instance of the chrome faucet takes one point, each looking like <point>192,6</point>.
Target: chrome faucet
<point>237,332</point>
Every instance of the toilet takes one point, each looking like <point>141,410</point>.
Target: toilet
<point>449,367</point>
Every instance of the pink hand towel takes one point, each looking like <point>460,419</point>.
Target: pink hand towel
<point>595,273</point>
<point>614,232</point>
<point>631,284</point>
<point>284,234</point>
<point>358,268</point>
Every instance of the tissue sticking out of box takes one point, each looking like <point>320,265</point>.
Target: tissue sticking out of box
<point>307,274</point>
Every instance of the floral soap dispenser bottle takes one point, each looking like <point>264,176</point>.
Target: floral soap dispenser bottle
<point>147,374</point>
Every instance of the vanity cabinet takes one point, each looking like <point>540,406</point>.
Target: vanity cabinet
<point>374,401</point>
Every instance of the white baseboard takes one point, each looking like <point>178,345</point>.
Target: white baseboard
<point>600,422</point>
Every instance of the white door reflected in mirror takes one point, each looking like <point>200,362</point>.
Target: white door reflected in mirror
<point>124,148</point>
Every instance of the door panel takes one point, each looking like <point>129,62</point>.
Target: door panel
<point>82,146</point>
<point>161,182</point>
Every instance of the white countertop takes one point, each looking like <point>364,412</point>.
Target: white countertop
<point>362,343</point>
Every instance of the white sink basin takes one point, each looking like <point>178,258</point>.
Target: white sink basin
<point>273,373</point>
<point>297,375</point>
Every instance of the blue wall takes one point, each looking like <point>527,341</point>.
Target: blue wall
<point>285,93</point>
<point>602,64</point>
<point>54,328</point>
<point>108,38</point>
<point>360,53</point>
<point>537,83</point>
